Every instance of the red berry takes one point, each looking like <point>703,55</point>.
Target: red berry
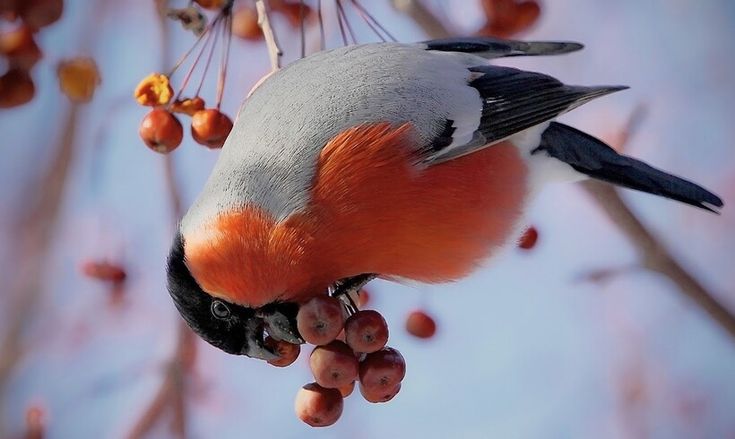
<point>379,395</point>
<point>40,13</point>
<point>20,48</point>
<point>333,365</point>
<point>245,24</point>
<point>382,371</point>
<point>210,127</point>
<point>421,325</point>
<point>104,271</point>
<point>161,131</point>
<point>287,352</point>
<point>528,239</point>
<point>317,406</point>
<point>363,299</point>
<point>366,331</point>
<point>347,390</point>
<point>320,320</point>
<point>16,88</point>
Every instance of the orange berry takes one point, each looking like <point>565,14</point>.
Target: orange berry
<point>16,88</point>
<point>78,78</point>
<point>382,371</point>
<point>155,89</point>
<point>161,131</point>
<point>292,11</point>
<point>366,331</point>
<point>317,406</point>
<point>210,128</point>
<point>20,48</point>
<point>211,4</point>
<point>379,395</point>
<point>528,239</point>
<point>320,320</point>
<point>40,13</point>
<point>421,325</point>
<point>188,106</point>
<point>245,24</point>
<point>104,271</point>
<point>287,352</point>
<point>334,365</point>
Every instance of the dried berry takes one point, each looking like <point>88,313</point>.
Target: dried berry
<point>155,89</point>
<point>188,105</point>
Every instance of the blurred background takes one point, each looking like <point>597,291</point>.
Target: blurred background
<point>575,338</point>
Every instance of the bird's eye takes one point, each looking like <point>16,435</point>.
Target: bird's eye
<point>220,310</point>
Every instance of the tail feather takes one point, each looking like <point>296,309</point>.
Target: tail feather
<point>594,158</point>
<point>488,47</point>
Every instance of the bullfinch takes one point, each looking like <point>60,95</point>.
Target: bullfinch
<point>401,161</point>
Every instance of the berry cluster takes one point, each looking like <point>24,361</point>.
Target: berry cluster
<point>18,46</point>
<point>349,349</point>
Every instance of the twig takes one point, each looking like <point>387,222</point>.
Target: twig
<point>274,50</point>
<point>423,17</point>
<point>655,255</point>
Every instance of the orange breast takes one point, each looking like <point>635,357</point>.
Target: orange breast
<point>372,210</point>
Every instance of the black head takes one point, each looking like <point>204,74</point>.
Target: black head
<point>233,328</point>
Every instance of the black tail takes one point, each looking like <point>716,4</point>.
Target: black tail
<point>593,157</point>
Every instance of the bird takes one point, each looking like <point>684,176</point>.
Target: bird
<point>403,161</point>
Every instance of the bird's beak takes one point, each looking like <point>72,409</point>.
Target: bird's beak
<point>280,327</point>
<point>254,346</point>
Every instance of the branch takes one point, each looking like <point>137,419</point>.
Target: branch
<point>430,23</point>
<point>274,51</point>
<point>655,255</point>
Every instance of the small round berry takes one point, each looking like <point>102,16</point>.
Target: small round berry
<point>320,320</point>
<point>210,128</point>
<point>363,298</point>
<point>16,88</point>
<point>287,352</point>
<point>334,365</point>
<point>20,48</point>
<point>347,390</point>
<point>382,371</point>
<point>161,131</point>
<point>366,331</point>
<point>40,13</point>
<point>379,395</point>
<point>528,239</point>
<point>318,406</point>
<point>420,324</point>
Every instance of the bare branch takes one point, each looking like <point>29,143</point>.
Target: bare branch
<point>274,50</point>
<point>655,256</point>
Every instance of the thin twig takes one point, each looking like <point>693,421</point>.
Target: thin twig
<point>343,15</point>
<point>322,36</point>
<point>274,50</point>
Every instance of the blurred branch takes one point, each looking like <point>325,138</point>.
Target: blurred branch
<point>37,226</point>
<point>654,254</point>
<point>426,19</point>
<point>274,51</point>
<point>171,395</point>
